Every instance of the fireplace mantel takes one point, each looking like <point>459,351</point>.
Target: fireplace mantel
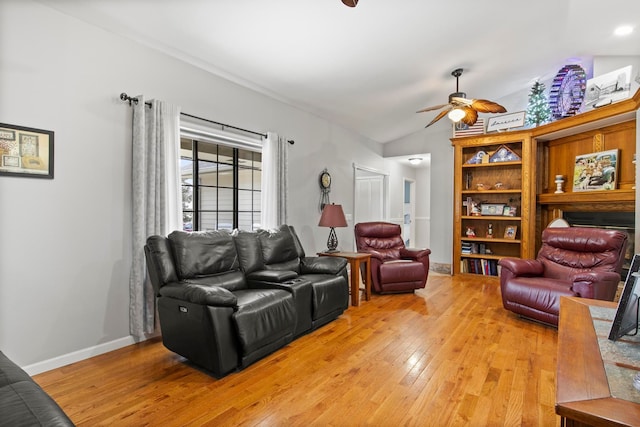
<point>591,201</point>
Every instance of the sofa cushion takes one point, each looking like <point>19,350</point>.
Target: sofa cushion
<point>249,252</point>
<point>263,316</point>
<point>203,253</point>
<point>330,293</point>
<point>278,247</point>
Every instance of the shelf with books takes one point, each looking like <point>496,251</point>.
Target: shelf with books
<point>486,266</point>
<point>493,193</point>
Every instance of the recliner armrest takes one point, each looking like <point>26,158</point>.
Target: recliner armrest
<point>274,276</point>
<point>199,294</point>
<point>322,265</point>
<point>596,284</point>
<point>522,267</point>
<point>413,253</point>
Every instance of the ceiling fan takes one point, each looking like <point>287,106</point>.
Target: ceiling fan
<point>461,109</point>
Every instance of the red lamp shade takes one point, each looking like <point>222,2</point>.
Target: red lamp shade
<point>332,216</point>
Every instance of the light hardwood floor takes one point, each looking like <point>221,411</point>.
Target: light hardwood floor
<point>447,355</point>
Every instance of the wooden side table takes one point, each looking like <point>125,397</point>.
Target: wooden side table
<point>355,259</point>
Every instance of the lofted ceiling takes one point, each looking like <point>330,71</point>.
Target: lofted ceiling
<point>370,68</point>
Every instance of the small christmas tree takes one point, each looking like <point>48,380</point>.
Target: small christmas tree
<point>538,111</point>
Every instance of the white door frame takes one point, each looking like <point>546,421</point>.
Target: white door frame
<point>385,190</point>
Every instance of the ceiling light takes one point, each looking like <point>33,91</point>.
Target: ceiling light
<point>415,160</point>
<point>456,115</point>
<point>350,3</point>
<point>623,30</point>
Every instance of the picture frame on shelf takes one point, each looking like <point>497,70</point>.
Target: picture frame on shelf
<point>509,211</point>
<point>596,171</point>
<point>608,88</point>
<point>26,152</point>
<point>492,209</point>
<point>510,232</point>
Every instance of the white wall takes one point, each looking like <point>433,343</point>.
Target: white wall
<point>65,248</point>
<point>423,207</point>
<point>436,141</point>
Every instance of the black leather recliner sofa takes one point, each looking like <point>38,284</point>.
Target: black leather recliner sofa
<point>225,300</point>
<point>25,403</point>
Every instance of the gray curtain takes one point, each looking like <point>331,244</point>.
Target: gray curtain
<point>274,181</point>
<point>156,199</point>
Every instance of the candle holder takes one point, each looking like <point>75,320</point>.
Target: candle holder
<point>559,181</point>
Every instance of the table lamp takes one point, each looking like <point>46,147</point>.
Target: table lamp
<point>332,216</point>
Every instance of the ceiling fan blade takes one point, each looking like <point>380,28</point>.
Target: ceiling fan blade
<point>434,107</point>
<point>470,116</point>
<point>440,115</point>
<point>486,106</point>
<point>461,101</point>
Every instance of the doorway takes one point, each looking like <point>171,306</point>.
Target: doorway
<point>409,212</point>
<point>371,194</point>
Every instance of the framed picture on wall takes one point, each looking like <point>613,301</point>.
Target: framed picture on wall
<point>26,152</point>
<point>596,171</point>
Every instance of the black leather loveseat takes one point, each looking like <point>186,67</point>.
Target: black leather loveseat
<point>23,402</point>
<point>226,299</point>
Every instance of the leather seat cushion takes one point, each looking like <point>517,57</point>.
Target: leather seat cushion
<point>403,271</point>
<point>329,293</point>
<point>537,293</point>
<point>263,316</point>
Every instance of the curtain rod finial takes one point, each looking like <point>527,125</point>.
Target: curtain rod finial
<point>125,97</point>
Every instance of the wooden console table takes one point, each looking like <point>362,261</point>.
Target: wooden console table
<point>584,394</point>
<point>355,259</point>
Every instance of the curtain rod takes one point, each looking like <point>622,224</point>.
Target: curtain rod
<point>131,100</point>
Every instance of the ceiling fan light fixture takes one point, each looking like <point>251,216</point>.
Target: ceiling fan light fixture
<point>350,3</point>
<point>456,115</point>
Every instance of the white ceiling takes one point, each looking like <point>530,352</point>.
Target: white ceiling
<point>369,68</point>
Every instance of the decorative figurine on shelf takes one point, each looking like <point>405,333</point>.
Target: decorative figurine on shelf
<point>490,231</point>
<point>559,181</point>
<point>475,209</point>
<point>471,232</point>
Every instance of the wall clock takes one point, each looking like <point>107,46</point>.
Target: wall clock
<point>325,187</point>
<point>567,91</point>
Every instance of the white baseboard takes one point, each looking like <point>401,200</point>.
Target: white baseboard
<point>76,356</point>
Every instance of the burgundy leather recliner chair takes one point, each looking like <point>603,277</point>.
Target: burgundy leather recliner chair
<point>394,268</point>
<point>575,261</point>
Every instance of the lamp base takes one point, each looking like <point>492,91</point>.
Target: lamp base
<point>332,241</point>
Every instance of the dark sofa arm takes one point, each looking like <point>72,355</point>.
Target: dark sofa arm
<point>23,402</point>
<point>522,267</point>
<point>322,265</point>
<point>199,294</point>
<point>414,254</point>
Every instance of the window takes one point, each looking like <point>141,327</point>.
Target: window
<point>220,185</point>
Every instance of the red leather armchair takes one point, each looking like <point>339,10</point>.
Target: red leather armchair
<point>575,261</point>
<point>394,268</point>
